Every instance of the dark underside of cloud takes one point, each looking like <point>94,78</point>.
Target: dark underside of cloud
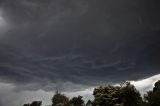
<point>53,42</point>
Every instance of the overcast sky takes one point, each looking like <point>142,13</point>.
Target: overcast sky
<point>76,45</point>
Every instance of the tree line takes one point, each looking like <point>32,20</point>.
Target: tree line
<point>123,95</point>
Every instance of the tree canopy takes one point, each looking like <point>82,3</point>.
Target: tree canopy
<point>126,95</point>
<point>107,96</point>
<point>34,103</point>
<point>123,95</point>
<point>77,101</point>
<point>153,97</point>
<point>59,98</point>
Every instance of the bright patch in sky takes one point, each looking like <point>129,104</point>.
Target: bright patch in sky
<point>4,26</point>
<point>2,21</point>
<point>146,84</point>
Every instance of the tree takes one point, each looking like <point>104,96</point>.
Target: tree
<point>156,86</point>
<point>130,95</point>
<point>153,97</point>
<point>107,96</point>
<point>60,99</point>
<point>34,103</point>
<point>77,101</point>
<point>89,103</point>
<point>124,95</point>
<point>26,105</point>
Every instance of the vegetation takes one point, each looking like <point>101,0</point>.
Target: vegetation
<point>76,101</point>
<point>60,99</point>
<point>124,95</point>
<point>34,103</point>
<point>152,98</point>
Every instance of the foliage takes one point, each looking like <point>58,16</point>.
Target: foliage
<point>124,95</point>
<point>77,101</point>
<point>59,98</point>
<point>156,86</point>
<point>26,105</point>
<point>152,98</point>
<point>107,96</point>
<point>130,95</point>
<point>89,103</point>
<point>34,103</point>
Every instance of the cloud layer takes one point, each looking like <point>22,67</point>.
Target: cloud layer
<point>59,44</point>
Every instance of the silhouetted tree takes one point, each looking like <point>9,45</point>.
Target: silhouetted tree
<point>60,99</point>
<point>34,103</point>
<point>94,103</point>
<point>156,86</point>
<point>89,103</point>
<point>130,95</point>
<point>26,105</point>
<point>152,98</point>
<point>77,101</point>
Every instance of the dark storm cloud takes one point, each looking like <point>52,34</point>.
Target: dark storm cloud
<point>53,43</point>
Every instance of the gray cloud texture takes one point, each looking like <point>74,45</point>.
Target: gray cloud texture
<point>59,44</point>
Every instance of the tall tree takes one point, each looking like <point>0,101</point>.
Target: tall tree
<point>107,96</point>
<point>156,86</point>
<point>124,95</point>
<point>130,95</point>
<point>59,98</point>
<point>89,103</point>
<point>26,105</point>
<point>34,103</point>
<point>77,101</point>
<point>153,97</point>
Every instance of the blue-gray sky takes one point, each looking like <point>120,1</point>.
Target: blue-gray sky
<point>77,44</point>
